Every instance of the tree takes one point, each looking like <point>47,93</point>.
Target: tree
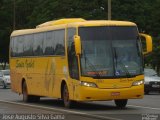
<point>6,28</point>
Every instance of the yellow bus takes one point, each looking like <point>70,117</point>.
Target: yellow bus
<point>79,60</point>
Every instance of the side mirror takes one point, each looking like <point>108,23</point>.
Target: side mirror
<point>148,40</point>
<point>77,43</point>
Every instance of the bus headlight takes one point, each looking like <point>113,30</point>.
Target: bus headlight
<point>88,84</point>
<point>136,83</point>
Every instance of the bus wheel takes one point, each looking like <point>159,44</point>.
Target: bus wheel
<point>66,100</point>
<point>26,97</point>
<point>121,103</point>
<point>35,98</point>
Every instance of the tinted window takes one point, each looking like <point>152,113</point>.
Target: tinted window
<point>48,46</point>
<point>47,43</point>
<point>110,51</point>
<point>109,33</point>
<point>19,51</point>
<point>15,46</point>
<point>28,42</point>
<point>72,59</point>
<point>59,42</point>
<point>38,44</point>
<point>12,49</point>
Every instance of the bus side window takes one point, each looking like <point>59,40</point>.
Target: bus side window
<point>72,59</point>
<point>73,64</point>
<point>38,44</point>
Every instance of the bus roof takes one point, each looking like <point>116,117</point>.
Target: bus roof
<point>70,22</point>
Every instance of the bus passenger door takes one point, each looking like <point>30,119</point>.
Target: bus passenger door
<point>72,62</point>
<point>73,70</point>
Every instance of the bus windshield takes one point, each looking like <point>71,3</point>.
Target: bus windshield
<point>110,51</point>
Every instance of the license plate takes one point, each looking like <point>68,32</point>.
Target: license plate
<point>156,86</point>
<point>115,93</point>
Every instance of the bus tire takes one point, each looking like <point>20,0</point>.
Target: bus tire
<point>67,102</point>
<point>121,103</point>
<point>34,98</point>
<point>26,97</point>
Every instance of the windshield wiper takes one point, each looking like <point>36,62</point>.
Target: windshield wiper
<point>91,66</point>
<point>128,75</point>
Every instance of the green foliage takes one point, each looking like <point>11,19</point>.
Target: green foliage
<point>5,28</point>
<point>30,13</point>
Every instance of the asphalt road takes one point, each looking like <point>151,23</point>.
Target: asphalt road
<point>138,109</point>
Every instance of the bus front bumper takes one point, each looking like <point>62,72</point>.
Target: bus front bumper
<point>96,94</point>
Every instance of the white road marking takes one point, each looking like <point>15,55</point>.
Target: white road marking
<point>62,110</point>
<point>144,107</point>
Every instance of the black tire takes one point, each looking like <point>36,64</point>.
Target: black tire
<point>4,85</point>
<point>34,98</point>
<point>121,103</point>
<point>26,97</point>
<point>67,102</point>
